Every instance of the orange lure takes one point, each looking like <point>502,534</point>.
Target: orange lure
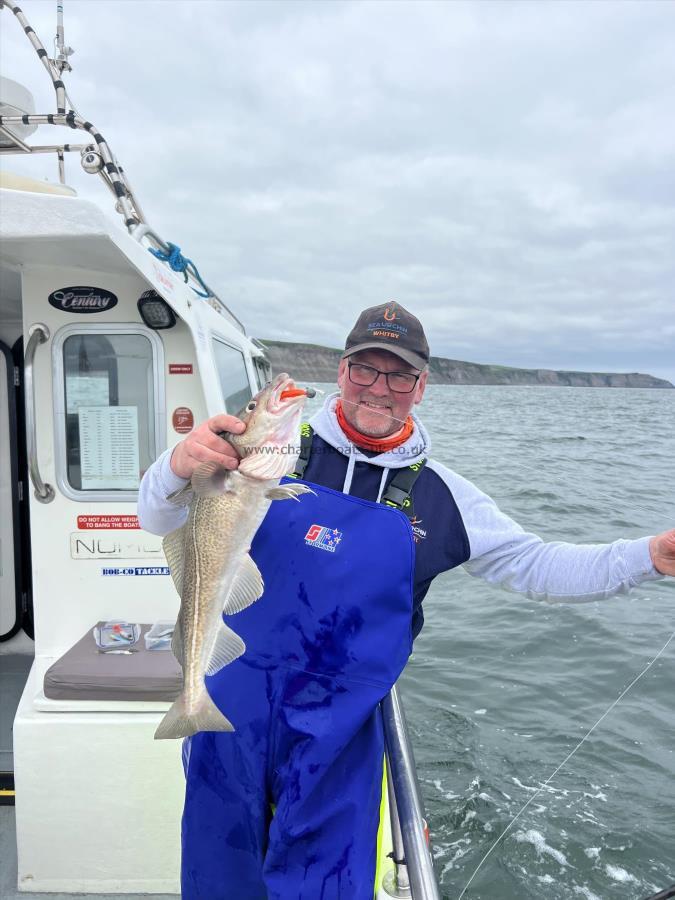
<point>297,392</point>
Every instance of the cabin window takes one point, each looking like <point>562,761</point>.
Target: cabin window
<point>109,403</point>
<point>263,371</point>
<point>233,376</point>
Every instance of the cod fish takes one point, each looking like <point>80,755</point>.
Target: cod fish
<point>208,556</point>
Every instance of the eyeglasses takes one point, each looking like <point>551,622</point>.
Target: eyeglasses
<point>398,382</point>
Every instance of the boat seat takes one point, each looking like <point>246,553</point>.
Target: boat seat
<point>83,673</point>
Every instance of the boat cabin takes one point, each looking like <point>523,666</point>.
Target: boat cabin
<point>107,358</point>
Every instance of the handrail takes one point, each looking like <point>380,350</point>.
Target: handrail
<point>400,882</point>
<point>420,869</point>
<point>97,157</point>
<point>38,334</point>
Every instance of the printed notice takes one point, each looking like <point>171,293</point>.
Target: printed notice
<point>109,447</point>
<point>87,390</point>
<point>113,522</point>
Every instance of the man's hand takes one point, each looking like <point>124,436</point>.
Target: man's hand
<point>662,551</point>
<point>203,445</point>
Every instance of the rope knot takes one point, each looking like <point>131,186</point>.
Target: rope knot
<point>180,263</point>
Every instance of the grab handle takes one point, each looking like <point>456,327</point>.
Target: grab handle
<point>37,334</point>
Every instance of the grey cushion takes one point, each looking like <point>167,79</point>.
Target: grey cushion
<point>85,674</point>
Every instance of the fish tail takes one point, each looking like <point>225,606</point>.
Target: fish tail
<point>178,722</point>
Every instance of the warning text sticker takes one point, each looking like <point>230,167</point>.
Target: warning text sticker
<point>103,522</point>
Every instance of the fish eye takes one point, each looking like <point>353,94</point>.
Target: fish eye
<point>251,406</point>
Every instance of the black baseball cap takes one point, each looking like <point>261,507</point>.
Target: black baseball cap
<point>389,327</point>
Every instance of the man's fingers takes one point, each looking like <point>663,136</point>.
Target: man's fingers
<point>666,541</point>
<point>223,422</point>
<point>207,438</point>
<point>204,445</point>
<point>200,454</point>
<point>662,551</point>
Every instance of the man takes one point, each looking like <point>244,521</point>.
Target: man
<point>287,808</point>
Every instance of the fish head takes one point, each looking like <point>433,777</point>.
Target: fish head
<point>270,445</point>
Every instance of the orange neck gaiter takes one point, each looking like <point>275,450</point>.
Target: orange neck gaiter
<point>377,445</point>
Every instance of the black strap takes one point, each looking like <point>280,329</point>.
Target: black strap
<point>306,436</point>
<point>399,492</point>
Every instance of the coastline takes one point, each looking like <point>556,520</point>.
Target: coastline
<point>314,362</point>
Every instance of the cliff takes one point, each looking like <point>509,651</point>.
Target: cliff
<point>312,362</point>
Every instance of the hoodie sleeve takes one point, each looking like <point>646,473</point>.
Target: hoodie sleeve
<point>503,553</point>
<point>156,514</point>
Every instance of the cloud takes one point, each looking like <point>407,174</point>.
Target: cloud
<point>503,169</point>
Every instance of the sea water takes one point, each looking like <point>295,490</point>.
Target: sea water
<point>500,688</point>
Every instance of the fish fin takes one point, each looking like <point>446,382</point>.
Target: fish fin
<point>182,496</point>
<point>172,545</point>
<point>178,723</point>
<point>227,647</point>
<point>209,479</point>
<point>246,587</point>
<point>288,491</point>
<point>177,642</point>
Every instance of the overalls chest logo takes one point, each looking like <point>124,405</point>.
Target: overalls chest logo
<point>323,537</point>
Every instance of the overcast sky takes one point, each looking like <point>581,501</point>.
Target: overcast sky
<point>505,170</point>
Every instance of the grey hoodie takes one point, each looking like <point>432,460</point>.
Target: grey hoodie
<point>457,523</point>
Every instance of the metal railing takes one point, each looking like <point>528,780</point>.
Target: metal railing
<point>414,874</point>
<point>96,156</point>
<point>38,334</point>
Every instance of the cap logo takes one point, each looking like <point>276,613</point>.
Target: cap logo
<point>390,335</point>
<point>389,329</point>
<point>391,326</point>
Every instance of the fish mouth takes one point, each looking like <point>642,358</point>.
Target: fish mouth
<point>275,404</point>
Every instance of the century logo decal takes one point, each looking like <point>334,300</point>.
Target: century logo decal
<point>82,299</point>
<point>323,537</point>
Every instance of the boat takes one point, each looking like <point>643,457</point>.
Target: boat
<point>113,348</point>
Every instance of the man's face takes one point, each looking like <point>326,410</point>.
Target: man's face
<point>377,411</point>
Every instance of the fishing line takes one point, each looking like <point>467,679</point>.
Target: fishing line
<point>592,729</point>
<point>567,758</point>
<point>375,409</point>
<point>596,493</point>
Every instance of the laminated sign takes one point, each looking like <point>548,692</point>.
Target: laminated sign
<point>109,447</point>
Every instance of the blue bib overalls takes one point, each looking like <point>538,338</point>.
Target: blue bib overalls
<point>287,806</point>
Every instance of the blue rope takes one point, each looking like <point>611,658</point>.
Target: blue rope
<point>180,263</point>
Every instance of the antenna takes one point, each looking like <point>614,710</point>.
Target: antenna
<point>62,52</point>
